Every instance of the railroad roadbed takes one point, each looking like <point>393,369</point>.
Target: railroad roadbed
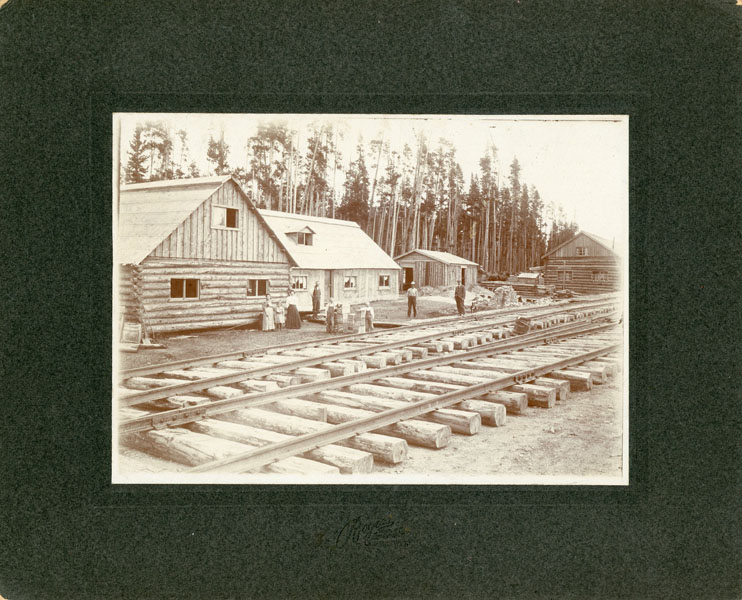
<point>407,401</point>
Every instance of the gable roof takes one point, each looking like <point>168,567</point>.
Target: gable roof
<point>336,244</point>
<point>444,257</point>
<point>607,244</point>
<point>149,212</point>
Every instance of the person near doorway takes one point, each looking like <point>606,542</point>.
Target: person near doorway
<point>330,316</point>
<point>293,320</point>
<point>460,295</point>
<point>316,299</point>
<point>369,317</point>
<point>412,300</point>
<point>269,323</point>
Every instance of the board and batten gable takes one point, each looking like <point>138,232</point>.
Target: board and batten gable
<point>196,238</point>
<point>581,240</point>
<point>435,269</point>
<point>219,263</point>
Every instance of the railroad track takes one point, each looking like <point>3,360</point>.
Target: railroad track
<point>339,406</point>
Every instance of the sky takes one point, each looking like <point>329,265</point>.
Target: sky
<point>577,161</point>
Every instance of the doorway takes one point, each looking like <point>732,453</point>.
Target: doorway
<point>328,287</point>
<point>463,276</point>
<point>409,277</point>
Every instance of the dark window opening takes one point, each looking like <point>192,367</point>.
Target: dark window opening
<point>304,239</point>
<point>257,287</point>
<point>184,288</point>
<point>383,281</point>
<point>232,217</point>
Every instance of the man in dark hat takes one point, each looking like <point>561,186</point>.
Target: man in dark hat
<point>460,295</point>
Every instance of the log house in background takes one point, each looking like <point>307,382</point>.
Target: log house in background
<point>436,269</point>
<point>348,265</point>
<point>195,254</point>
<point>586,263</point>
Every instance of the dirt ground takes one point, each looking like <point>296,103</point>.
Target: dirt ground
<point>581,437</point>
<point>204,343</point>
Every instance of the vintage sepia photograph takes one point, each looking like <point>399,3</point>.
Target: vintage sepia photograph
<point>366,298</point>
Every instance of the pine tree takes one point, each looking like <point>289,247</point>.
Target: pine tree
<point>136,171</point>
<point>217,153</point>
<point>354,205</point>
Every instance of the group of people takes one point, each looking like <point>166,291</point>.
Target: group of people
<point>459,295</point>
<point>278,315</point>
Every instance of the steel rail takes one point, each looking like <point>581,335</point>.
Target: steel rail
<point>201,384</point>
<point>237,354</point>
<point>181,416</point>
<point>259,457</point>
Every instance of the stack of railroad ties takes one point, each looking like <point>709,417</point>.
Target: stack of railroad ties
<point>312,404</point>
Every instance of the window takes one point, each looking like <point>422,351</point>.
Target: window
<point>184,288</point>
<point>224,217</point>
<point>299,282</point>
<point>600,276</point>
<point>257,287</point>
<point>383,281</point>
<point>581,251</point>
<point>350,283</point>
<point>304,238</point>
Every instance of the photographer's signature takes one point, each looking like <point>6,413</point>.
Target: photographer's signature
<point>365,532</point>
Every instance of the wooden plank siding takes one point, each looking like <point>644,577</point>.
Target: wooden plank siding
<point>196,238</point>
<point>367,286</point>
<point>222,297</point>
<point>586,274</point>
<point>432,273</point>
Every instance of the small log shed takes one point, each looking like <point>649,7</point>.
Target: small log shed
<point>195,254</point>
<point>436,269</point>
<point>586,263</point>
<point>348,265</point>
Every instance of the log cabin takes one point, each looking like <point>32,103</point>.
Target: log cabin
<point>586,263</point>
<point>347,264</point>
<point>436,269</point>
<point>195,254</point>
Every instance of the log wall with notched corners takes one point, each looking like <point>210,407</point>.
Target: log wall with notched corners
<point>222,292</point>
<point>583,274</point>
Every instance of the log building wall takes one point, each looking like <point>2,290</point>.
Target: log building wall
<point>583,274</point>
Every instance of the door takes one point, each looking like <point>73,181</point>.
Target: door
<point>409,277</point>
<point>328,293</point>
<point>463,276</point>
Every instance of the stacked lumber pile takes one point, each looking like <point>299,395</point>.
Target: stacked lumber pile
<point>524,289</point>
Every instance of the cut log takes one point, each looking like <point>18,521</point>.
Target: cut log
<point>488,413</point>
<point>538,395</point>
<point>299,408</point>
<point>384,448</point>
<point>348,460</point>
<point>337,369</point>
<point>257,385</point>
<point>458,343</point>
<point>182,446</point>
<point>483,373</point>
<point>240,364</point>
<point>514,402</point>
<point>415,431</point>
<point>148,383</point>
<point>577,379</point>
<point>308,374</point>
<point>222,392</point>
<point>561,387</point>
<point>358,365</point>
<point>417,351</point>
<point>300,466</point>
<point>432,347</point>
<point>283,380</point>
<point>174,402</point>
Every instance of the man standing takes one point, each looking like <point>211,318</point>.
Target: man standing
<point>316,298</point>
<point>412,300</point>
<point>460,295</point>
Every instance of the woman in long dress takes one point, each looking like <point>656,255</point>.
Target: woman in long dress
<point>269,323</point>
<point>293,320</point>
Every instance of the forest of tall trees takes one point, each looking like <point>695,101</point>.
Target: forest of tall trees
<point>413,196</point>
